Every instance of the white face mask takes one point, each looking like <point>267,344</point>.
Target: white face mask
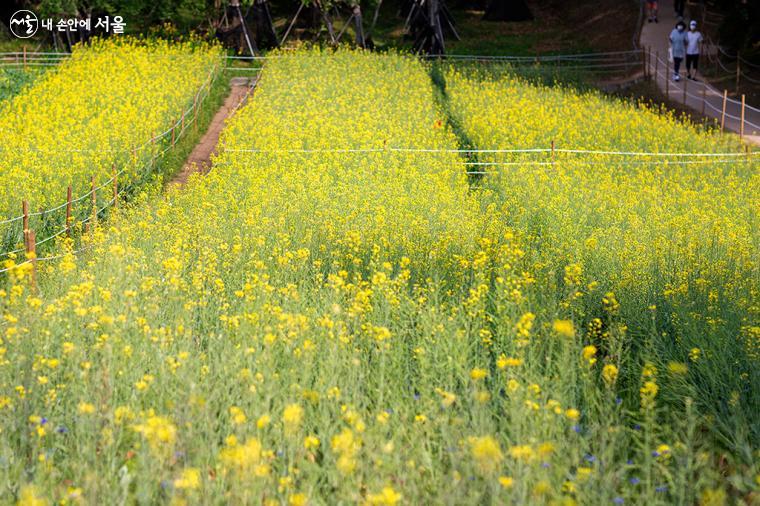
<point>680,28</point>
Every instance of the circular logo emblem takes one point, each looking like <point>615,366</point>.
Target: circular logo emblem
<point>24,24</point>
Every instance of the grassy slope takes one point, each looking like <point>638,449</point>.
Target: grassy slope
<point>13,80</point>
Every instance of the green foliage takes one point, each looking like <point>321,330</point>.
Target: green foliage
<point>13,80</point>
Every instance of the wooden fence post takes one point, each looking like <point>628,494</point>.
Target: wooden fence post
<point>25,221</point>
<point>24,56</point>
<point>723,114</point>
<point>68,211</point>
<point>741,128</point>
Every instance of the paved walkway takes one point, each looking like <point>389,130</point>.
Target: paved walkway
<point>698,95</point>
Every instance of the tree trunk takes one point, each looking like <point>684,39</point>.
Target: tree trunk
<point>425,26</point>
<point>508,10</point>
<point>359,27</point>
<point>265,32</point>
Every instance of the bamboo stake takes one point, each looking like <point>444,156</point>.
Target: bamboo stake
<point>173,128</point>
<point>24,57</point>
<point>25,222</point>
<point>741,128</point>
<point>723,114</point>
<point>68,211</point>
<point>685,83</point>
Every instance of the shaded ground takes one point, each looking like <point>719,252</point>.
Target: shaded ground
<point>200,158</point>
<point>559,26</point>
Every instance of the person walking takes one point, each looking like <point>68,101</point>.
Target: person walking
<point>652,10</point>
<point>678,48</point>
<point>693,41</point>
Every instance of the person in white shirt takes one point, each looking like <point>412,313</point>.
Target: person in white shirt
<point>693,41</point>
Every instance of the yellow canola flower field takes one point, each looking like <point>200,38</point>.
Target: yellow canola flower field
<point>632,214</point>
<point>97,110</point>
<point>330,327</point>
<point>655,231</point>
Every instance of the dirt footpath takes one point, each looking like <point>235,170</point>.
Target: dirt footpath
<point>200,158</point>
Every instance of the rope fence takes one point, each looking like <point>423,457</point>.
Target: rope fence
<point>114,200</point>
<point>177,129</point>
<point>475,151</point>
<point>557,163</point>
<point>594,62</point>
<point>30,243</point>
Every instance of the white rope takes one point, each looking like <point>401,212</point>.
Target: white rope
<point>15,266</point>
<point>13,252</point>
<point>47,259</point>
<point>644,153</point>
<point>11,220</point>
<point>565,55</point>
<point>528,150</point>
<point>56,257</point>
<point>639,162</point>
